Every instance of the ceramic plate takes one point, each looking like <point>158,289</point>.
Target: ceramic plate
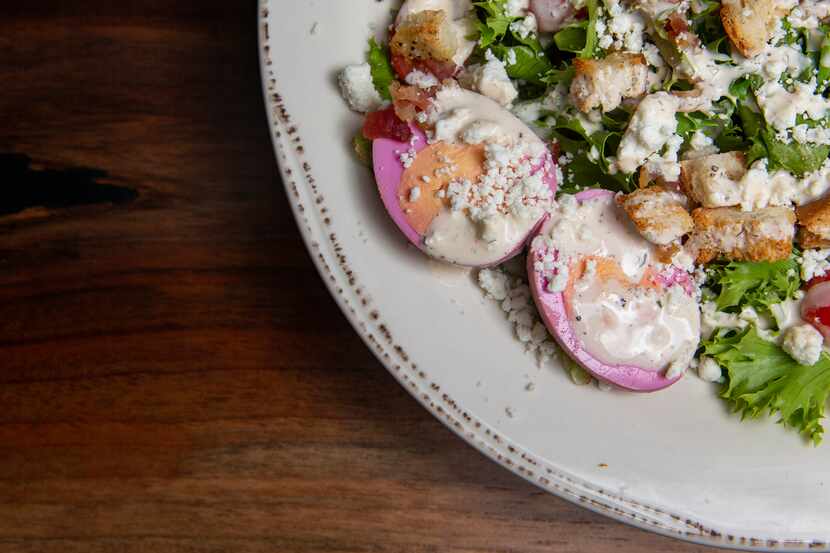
<point>675,462</point>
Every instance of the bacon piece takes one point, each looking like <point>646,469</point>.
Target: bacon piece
<point>440,69</point>
<point>409,100</point>
<point>385,124</point>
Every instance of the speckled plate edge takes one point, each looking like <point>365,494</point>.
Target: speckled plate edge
<point>313,217</point>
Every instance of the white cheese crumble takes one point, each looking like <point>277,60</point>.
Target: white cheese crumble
<point>781,106</point>
<point>814,263</point>
<point>511,184</point>
<point>414,193</point>
<point>708,369</point>
<point>357,88</point>
<point>514,296</point>
<point>649,130</point>
<point>516,8</point>
<point>421,79</point>
<point>491,80</point>
<point>525,27</point>
<point>803,343</point>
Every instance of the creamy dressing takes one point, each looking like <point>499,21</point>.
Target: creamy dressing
<point>598,228</point>
<point>461,16</point>
<point>456,111</point>
<point>463,117</point>
<point>620,322</point>
<point>453,236</point>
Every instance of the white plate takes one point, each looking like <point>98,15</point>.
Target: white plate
<point>675,462</point>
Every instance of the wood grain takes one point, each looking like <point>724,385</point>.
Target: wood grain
<point>174,376</point>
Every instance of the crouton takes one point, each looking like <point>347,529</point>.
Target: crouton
<point>749,23</point>
<point>426,34</point>
<point>713,180</point>
<point>815,217</point>
<point>604,83</point>
<point>808,241</point>
<point>762,235</point>
<point>658,213</point>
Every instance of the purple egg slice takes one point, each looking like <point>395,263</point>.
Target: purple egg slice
<point>554,310</point>
<point>389,169</point>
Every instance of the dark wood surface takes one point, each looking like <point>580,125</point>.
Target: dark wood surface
<point>174,375</point>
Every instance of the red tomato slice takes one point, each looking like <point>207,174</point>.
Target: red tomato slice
<point>815,309</point>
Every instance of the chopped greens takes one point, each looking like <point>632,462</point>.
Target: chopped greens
<point>763,379</point>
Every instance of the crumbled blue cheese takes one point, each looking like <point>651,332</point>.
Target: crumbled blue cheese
<point>649,130</point>
<point>357,88</point>
<point>814,263</point>
<point>514,296</point>
<point>491,80</point>
<point>708,369</point>
<point>511,184</point>
<point>525,27</point>
<point>781,106</point>
<point>421,79</point>
<point>516,8</point>
<point>803,343</point>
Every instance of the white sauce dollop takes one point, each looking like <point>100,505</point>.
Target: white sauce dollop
<point>618,322</point>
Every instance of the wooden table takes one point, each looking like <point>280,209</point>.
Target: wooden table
<point>174,375</point>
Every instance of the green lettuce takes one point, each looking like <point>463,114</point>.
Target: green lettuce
<point>582,171</point>
<point>761,378</point>
<point>529,60</point>
<point>739,284</point>
<point>382,73</point>
<point>493,22</point>
<point>580,38</point>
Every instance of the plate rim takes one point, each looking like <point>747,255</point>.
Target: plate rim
<point>331,263</point>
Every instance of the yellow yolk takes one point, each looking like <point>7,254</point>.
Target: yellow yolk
<point>440,163</point>
<point>607,269</point>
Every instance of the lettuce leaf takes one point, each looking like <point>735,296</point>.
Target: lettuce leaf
<point>739,284</point>
<point>763,378</point>
<point>794,157</point>
<point>382,73</point>
<point>531,64</point>
<point>493,22</point>
<point>580,37</point>
<point>583,172</point>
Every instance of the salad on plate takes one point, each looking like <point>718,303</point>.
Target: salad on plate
<point>644,185</point>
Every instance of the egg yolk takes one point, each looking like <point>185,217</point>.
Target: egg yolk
<point>431,171</point>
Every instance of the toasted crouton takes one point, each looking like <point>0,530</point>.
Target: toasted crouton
<point>604,83</point>
<point>712,181</point>
<point>658,214</point>
<point>809,241</point>
<point>762,235</point>
<point>815,217</point>
<point>425,35</point>
<point>749,23</point>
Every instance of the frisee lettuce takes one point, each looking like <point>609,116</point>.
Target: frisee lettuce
<point>739,284</point>
<point>762,378</point>
<point>382,73</point>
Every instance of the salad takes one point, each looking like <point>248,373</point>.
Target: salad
<point>643,184</point>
